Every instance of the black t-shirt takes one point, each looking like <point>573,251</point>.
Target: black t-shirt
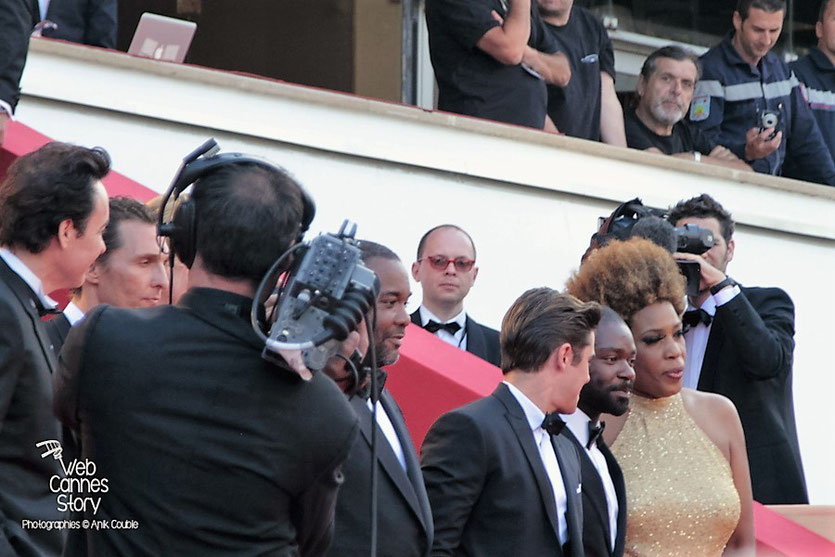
<point>685,138</point>
<point>575,108</point>
<point>472,82</point>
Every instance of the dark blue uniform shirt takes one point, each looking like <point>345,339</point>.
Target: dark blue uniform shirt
<point>816,72</point>
<point>731,97</point>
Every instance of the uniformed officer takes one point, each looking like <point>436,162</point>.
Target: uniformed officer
<point>749,101</point>
<point>816,71</point>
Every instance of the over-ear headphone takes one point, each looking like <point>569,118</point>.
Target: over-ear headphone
<point>182,228</point>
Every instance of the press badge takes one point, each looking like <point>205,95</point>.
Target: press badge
<point>700,108</point>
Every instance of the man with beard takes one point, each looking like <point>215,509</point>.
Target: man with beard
<point>665,88</point>
<point>607,392</point>
<point>404,520</point>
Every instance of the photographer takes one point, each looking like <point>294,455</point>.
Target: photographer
<point>740,345</point>
<point>208,447</point>
<point>749,101</point>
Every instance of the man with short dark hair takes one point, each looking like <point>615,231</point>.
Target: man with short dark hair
<point>404,520</point>
<point>740,345</point>
<point>587,106</point>
<point>816,71</point>
<point>500,478</point>
<point>492,59</point>
<point>129,274</point>
<point>446,270</point>
<point>749,101</point>
<point>208,446</point>
<point>656,124</point>
<point>611,373</point>
<point>53,211</point>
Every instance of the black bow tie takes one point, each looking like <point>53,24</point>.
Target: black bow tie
<point>695,316</point>
<point>44,311</point>
<point>451,327</point>
<point>595,432</point>
<point>553,424</point>
<point>365,391</point>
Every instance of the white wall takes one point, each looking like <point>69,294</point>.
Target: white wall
<point>530,200</point>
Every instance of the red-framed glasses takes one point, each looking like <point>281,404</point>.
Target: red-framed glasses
<point>441,262</point>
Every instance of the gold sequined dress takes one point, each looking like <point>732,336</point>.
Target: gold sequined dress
<point>680,495</point>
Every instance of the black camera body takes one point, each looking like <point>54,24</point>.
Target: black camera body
<point>690,238</point>
<point>770,119</point>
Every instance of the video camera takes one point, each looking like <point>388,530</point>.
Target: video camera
<point>321,298</point>
<point>633,218</point>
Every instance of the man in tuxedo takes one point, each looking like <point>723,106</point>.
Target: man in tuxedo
<point>129,274</point>
<point>404,520</point>
<point>211,448</point>
<point>53,210</point>
<point>17,19</point>
<point>607,392</point>
<point>740,345</point>
<point>500,478</point>
<point>446,270</point>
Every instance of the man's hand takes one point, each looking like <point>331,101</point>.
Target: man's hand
<point>337,367</point>
<point>4,120</point>
<point>710,275</point>
<point>723,153</point>
<point>758,145</point>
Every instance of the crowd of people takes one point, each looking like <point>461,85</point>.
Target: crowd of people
<point>738,105</point>
<point>130,425</point>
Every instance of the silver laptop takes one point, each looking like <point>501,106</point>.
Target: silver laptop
<point>162,38</point>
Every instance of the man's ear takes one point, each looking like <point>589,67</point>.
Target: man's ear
<point>641,87</point>
<point>819,30</point>
<point>415,267</point>
<point>737,21</point>
<point>93,275</point>
<point>475,274</point>
<point>729,256</point>
<point>563,356</point>
<point>66,233</point>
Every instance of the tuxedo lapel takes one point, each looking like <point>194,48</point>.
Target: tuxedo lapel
<point>412,464</point>
<point>593,491</point>
<point>713,350</point>
<point>27,299</point>
<point>620,491</point>
<point>385,454</point>
<point>476,344</point>
<point>519,423</point>
<point>570,472</point>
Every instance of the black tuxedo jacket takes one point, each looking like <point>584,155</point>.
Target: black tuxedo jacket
<point>213,450</point>
<point>90,22</point>
<point>404,520</point>
<point>481,341</point>
<point>596,533</point>
<point>17,18</point>
<point>748,359</point>
<point>57,328</point>
<point>488,488</point>
<point>26,365</point>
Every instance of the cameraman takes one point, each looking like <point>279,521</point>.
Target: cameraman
<point>740,345</point>
<point>208,447</point>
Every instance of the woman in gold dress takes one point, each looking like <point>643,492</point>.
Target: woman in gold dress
<point>682,451</point>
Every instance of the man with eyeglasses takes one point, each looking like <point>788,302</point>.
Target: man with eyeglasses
<point>446,270</point>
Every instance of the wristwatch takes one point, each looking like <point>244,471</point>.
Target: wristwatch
<point>728,281</point>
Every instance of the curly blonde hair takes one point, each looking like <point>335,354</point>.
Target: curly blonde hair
<point>629,276</point>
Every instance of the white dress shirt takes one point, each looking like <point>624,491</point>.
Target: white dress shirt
<point>73,313</point>
<point>578,423</point>
<point>459,339</point>
<point>696,337</point>
<point>387,428</point>
<point>30,278</point>
<point>542,439</point>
